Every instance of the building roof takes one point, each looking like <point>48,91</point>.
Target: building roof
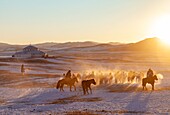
<point>30,47</point>
<point>30,51</point>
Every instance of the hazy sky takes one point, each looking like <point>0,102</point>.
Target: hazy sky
<point>33,21</point>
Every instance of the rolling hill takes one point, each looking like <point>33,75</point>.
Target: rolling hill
<point>148,45</point>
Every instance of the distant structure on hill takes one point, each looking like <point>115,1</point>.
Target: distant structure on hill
<point>30,52</point>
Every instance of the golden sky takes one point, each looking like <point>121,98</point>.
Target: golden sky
<point>35,21</point>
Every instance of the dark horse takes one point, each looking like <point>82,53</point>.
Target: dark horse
<point>150,80</point>
<point>68,81</point>
<point>86,84</point>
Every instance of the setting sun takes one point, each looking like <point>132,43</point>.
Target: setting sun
<point>161,29</point>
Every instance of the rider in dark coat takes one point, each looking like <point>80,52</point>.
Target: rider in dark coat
<point>68,74</point>
<point>149,73</point>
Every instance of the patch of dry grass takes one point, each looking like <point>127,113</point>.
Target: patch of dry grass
<point>75,99</point>
<point>79,113</point>
<point>101,112</point>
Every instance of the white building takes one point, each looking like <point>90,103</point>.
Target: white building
<point>29,52</point>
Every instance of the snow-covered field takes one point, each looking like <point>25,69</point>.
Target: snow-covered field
<point>35,92</point>
<point>49,100</point>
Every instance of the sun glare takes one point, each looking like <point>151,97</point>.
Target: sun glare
<point>161,29</point>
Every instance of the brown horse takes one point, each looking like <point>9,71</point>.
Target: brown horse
<point>150,80</point>
<point>68,81</point>
<point>87,84</point>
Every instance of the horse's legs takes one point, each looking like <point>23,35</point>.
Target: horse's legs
<point>90,90</point>
<point>144,87</point>
<point>116,80</point>
<point>84,90</point>
<point>74,87</point>
<point>70,87</point>
<point>152,86</point>
<point>87,90</point>
<point>62,87</point>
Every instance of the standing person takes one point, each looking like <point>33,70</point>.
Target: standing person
<point>149,73</point>
<point>22,69</point>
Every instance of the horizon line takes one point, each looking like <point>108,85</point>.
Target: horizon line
<point>74,42</point>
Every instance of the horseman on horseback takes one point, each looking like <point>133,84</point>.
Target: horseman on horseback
<point>67,80</point>
<point>150,79</point>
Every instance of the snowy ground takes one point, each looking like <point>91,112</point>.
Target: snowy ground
<point>35,92</point>
<point>49,100</point>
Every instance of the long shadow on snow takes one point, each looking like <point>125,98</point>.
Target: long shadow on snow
<point>139,103</point>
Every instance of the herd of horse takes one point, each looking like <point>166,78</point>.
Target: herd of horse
<point>117,76</point>
<point>91,79</point>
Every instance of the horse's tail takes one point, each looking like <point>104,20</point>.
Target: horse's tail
<point>58,84</point>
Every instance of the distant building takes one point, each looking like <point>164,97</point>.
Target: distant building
<point>30,52</point>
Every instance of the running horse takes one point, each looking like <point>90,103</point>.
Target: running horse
<point>149,80</point>
<point>67,81</point>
